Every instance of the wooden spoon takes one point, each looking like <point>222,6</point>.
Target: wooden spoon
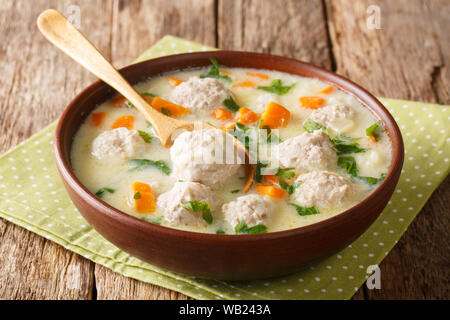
<point>61,33</point>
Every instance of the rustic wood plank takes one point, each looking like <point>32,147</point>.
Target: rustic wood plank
<point>111,286</point>
<point>407,58</point>
<point>139,24</point>
<point>36,84</point>
<point>136,26</point>
<point>293,28</point>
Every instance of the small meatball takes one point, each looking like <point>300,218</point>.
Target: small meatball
<point>204,156</point>
<point>322,189</point>
<point>200,95</point>
<point>306,152</point>
<point>253,209</point>
<point>118,143</point>
<point>337,117</point>
<point>182,193</point>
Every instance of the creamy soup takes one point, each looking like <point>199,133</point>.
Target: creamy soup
<point>318,152</point>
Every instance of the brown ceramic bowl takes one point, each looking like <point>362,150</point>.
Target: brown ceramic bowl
<point>226,257</point>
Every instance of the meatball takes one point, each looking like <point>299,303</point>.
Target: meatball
<point>306,152</point>
<point>200,95</point>
<point>118,143</point>
<point>252,209</point>
<point>337,117</point>
<point>181,193</point>
<point>322,189</point>
<point>205,156</point>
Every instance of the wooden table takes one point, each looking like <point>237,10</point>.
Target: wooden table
<point>409,57</point>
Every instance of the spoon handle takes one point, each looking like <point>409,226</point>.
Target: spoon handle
<point>61,33</point>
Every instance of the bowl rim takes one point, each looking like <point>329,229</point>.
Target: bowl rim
<point>368,100</point>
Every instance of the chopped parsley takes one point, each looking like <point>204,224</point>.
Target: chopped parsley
<point>276,86</point>
<point>349,164</point>
<point>198,206</point>
<point>372,180</point>
<point>214,72</point>
<point>305,211</point>
<point>242,228</point>
<point>166,111</point>
<point>234,191</point>
<point>258,167</point>
<point>231,104</point>
<point>154,221</point>
<point>285,173</point>
<point>372,131</point>
<point>311,126</point>
<point>145,136</point>
<point>101,192</point>
<point>344,144</point>
<point>148,94</point>
<point>137,195</point>
<point>241,133</point>
<point>143,163</point>
<point>220,231</point>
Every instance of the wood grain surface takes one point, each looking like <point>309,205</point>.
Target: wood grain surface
<point>407,58</point>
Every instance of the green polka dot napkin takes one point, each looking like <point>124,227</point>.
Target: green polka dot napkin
<point>32,196</point>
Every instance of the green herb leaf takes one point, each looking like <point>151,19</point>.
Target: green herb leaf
<point>231,104</point>
<point>371,131</point>
<point>277,87</point>
<point>305,211</point>
<point>242,228</point>
<point>234,191</point>
<point>371,180</point>
<point>312,126</point>
<point>220,231</point>
<point>145,136</point>
<point>154,221</point>
<point>143,163</point>
<point>285,173</point>
<point>137,195</point>
<point>198,206</point>
<point>241,133</point>
<point>344,145</point>
<point>214,72</point>
<point>101,192</point>
<point>166,111</point>
<point>148,94</point>
<point>349,164</point>
<point>258,167</point>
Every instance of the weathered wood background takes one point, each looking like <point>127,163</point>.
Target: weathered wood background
<point>409,58</point>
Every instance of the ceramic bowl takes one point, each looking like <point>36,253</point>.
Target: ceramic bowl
<point>225,257</point>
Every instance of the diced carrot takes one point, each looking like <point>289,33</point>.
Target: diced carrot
<point>97,118</point>
<point>232,127</point>
<point>225,72</point>
<point>174,109</point>
<point>124,121</point>
<point>275,116</point>
<point>247,116</point>
<point>258,75</point>
<point>174,81</point>
<point>244,84</point>
<point>312,102</point>
<point>271,191</point>
<point>144,199</point>
<point>372,138</point>
<point>327,90</point>
<point>272,179</point>
<point>222,114</point>
<point>118,101</point>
